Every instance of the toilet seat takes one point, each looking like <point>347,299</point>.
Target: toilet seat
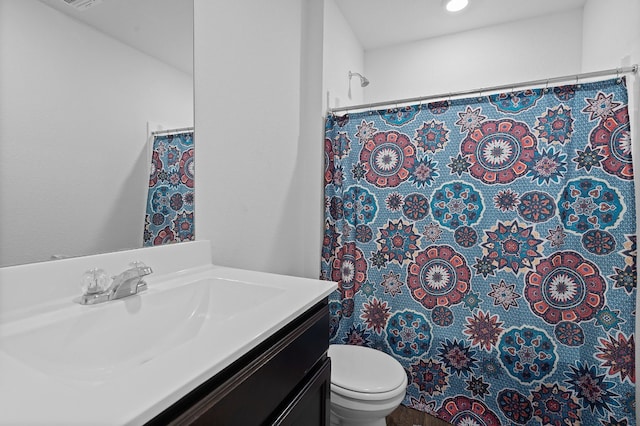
<point>364,396</point>
<point>363,373</point>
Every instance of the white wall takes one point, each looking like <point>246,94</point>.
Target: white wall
<point>343,52</point>
<point>259,133</point>
<point>618,19</point>
<point>310,162</point>
<point>518,51</point>
<point>74,107</point>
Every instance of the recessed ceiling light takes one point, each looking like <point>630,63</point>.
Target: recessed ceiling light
<point>455,5</point>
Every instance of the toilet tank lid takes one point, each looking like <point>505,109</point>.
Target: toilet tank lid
<point>362,369</point>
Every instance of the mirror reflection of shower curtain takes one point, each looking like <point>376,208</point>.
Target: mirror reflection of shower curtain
<point>170,200</point>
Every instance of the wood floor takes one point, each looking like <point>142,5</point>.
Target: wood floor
<point>405,416</point>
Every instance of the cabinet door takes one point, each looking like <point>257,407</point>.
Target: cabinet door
<point>311,406</point>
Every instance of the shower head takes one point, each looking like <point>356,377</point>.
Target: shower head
<point>363,80</point>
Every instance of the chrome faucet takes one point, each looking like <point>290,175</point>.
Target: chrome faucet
<point>125,284</point>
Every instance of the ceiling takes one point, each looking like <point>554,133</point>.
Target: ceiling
<point>380,23</point>
<point>161,28</point>
<point>164,28</point>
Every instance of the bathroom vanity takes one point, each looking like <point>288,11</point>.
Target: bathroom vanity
<point>285,380</point>
<point>203,345</point>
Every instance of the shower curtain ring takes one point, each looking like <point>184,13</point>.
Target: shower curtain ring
<point>546,87</point>
<point>618,79</point>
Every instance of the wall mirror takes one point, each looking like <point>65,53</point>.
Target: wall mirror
<point>82,83</point>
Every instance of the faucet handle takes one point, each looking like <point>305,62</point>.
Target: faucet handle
<point>94,281</point>
<point>141,268</point>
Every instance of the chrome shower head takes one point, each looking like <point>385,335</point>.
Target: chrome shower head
<point>363,80</point>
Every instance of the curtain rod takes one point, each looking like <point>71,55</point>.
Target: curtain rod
<point>617,71</point>
<point>180,130</point>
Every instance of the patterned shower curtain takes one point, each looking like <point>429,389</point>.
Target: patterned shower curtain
<point>170,201</point>
<point>489,245</point>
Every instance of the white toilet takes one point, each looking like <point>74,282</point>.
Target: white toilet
<point>366,385</point>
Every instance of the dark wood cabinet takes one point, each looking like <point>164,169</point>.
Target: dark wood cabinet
<point>283,381</point>
<point>311,406</point>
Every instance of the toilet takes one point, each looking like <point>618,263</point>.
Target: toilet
<point>366,385</point>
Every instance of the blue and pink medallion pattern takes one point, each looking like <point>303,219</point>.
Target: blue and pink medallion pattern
<point>170,203</point>
<point>489,245</point>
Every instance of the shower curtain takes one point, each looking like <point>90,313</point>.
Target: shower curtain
<point>170,200</point>
<point>489,245</point>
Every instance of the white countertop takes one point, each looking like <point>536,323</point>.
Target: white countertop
<point>134,395</point>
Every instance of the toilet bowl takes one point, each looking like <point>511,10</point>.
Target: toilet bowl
<point>366,385</point>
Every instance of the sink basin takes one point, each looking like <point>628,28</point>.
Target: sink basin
<point>94,343</point>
